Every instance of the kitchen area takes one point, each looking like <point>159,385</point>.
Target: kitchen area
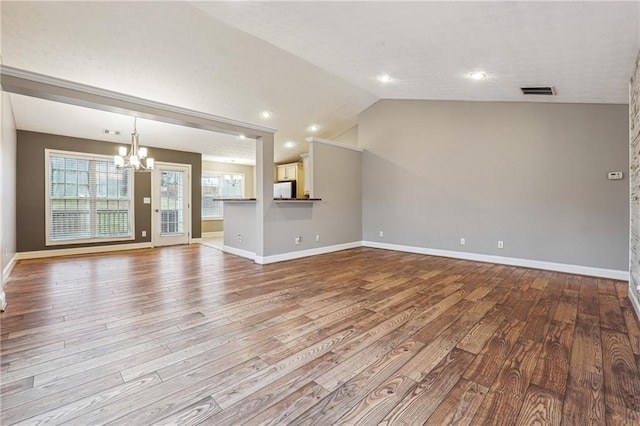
<point>292,180</point>
<point>291,183</point>
<point>311,206</point>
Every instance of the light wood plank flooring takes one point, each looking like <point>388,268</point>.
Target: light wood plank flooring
<point>190,335</point>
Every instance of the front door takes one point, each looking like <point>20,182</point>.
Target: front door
<point>171,202</point>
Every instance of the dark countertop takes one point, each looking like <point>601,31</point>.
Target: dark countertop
<point>290,200</point>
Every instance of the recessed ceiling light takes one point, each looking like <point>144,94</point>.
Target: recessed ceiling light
<point>314,128</point>
<point>242,136</point>
<point>112,132</point>
<point>289,144</point>
<point>478,75</point>
<point>385,78</point>
<point>265,114</point>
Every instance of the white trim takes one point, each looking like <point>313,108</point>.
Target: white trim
<point>80,250</point>
<point>196,241</point>
<point>9,268</point>
<point>306,253</point>
<point>239,252</point>
<point>526,263</point>
<point>634,301</point>
<point>3,301</point>
<point>156,237</point>
<point>311,185</point>
<point>205,219</point>
<point>92,90</point>
<point>213,234</point>
<point>311,139</point>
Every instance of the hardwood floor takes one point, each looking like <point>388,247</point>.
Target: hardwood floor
<point>190,335</point>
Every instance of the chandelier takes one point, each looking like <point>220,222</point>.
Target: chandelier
<point>233,180</point>
<point>136,158</point>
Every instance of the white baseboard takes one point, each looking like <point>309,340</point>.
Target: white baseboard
<point>634,301</point>
<point>3,301</point>
<point>305,253</point>
<point>196,241</point>
<point>7,269</point>
<point>213,234</point>
<point>81,250</point>
<point>239,252</point>
<point>535,264</point>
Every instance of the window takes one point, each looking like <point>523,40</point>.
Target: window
<point>217,185</point>
<point>88,199</point>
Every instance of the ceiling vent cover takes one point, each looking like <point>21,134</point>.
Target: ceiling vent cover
<point>538,90</point>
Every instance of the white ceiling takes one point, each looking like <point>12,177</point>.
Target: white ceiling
<point>585,49</point>
<point>35,114</point>
<point>309,62</point>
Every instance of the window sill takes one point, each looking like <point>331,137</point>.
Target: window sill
<point>96,241</point>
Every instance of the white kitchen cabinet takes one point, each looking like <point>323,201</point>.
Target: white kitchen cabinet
<point>292,172</point>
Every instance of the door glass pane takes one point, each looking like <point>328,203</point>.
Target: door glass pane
<point>171,202</point>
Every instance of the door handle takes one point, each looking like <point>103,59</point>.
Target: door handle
<point>157,210</point>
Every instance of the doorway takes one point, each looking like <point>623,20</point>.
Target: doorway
<point>171,204</point>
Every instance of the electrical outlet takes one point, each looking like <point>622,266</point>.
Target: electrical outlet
<point>500,244</point>
<point>317,237</point>
<point>144,233</point>
<point>239,237</point>
<point>462,241</point>
<point>298,239</point>
<point>381,234</point>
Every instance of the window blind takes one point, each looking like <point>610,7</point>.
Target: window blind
<point>217,185</point>
<point>89,199</point>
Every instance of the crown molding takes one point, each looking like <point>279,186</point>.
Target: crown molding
<point>312,139</point>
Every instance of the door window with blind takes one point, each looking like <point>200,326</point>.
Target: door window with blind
<point>217,186</point>
<point>88,199</point>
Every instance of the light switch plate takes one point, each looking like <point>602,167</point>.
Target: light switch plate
<point>146,200</point>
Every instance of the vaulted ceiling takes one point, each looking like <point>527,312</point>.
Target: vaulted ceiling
<point>310,62</point>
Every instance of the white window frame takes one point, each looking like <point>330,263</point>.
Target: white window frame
<point>47,191</point>
<point>214,172</point>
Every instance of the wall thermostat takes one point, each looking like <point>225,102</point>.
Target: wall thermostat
<point>615,175</point>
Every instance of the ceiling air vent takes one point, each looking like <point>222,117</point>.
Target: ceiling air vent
<point>538,90</point>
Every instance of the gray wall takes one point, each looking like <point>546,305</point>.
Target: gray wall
<point>31,187</point>
<point>242,221</point>
<point>337,180</point>
<point>533,175</point>
<point>350,137</point>
<point>337,175</point>
<point>7,185</point>
<point>634,166</point>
